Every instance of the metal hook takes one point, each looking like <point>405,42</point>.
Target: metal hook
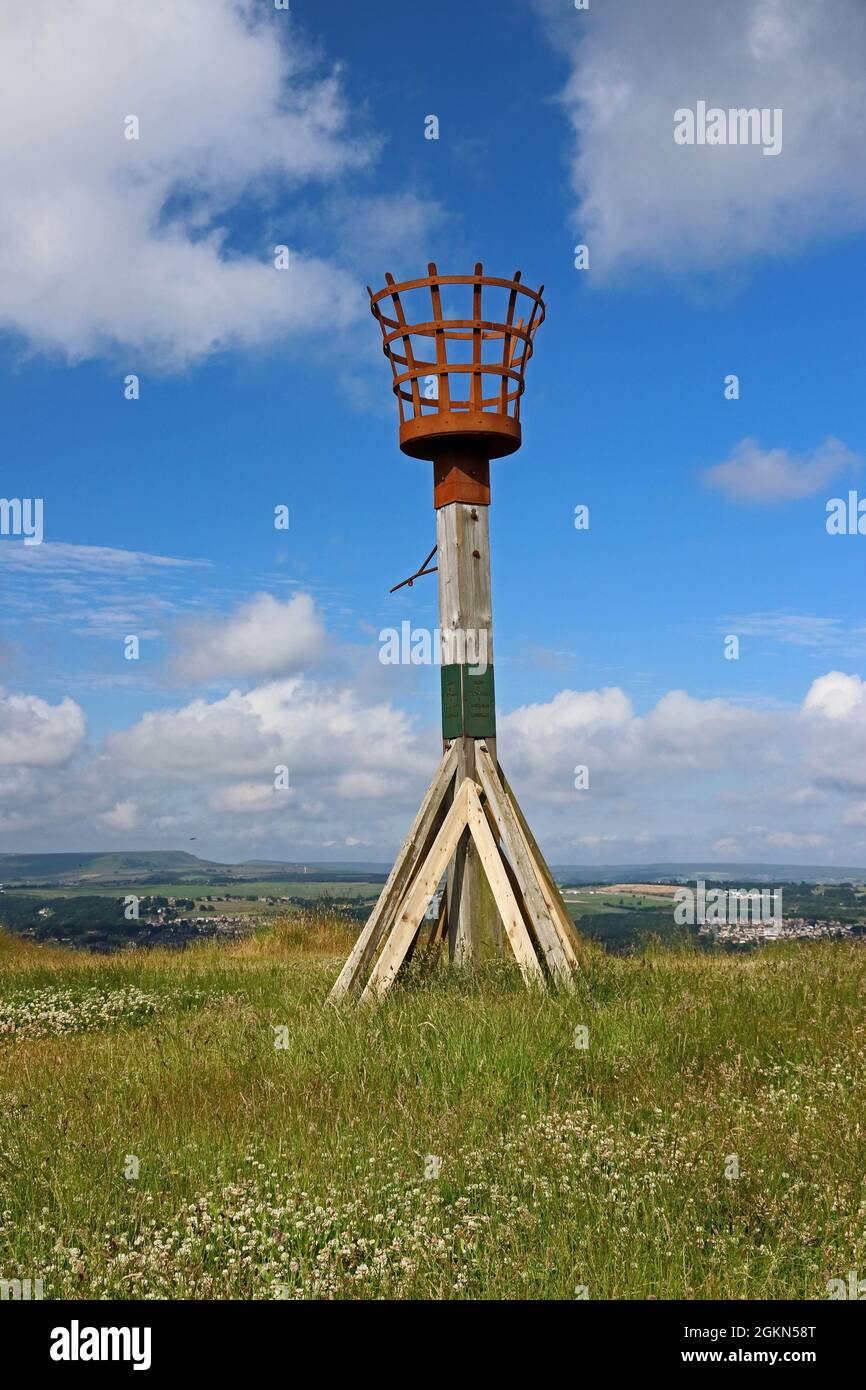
<point>407,583</point>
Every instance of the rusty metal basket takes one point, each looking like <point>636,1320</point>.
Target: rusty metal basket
<point>449,396</point>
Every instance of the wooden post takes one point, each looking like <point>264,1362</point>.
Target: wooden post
<point>466,627</point>
<point>470,825</point>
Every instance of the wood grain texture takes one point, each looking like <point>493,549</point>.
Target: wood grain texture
<point>564,919</point>
<point>524,868</point>
<point>414,849</point>
<point>417,898</point>
<point>509,911</point>
<point>466,627</point>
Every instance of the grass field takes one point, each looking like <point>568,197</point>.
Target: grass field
<point>581,901</point>
<point>308,1170</point>
<point>234,893</point>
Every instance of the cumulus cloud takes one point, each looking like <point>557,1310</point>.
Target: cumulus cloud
<point>753,474</point>
<point>833,734</point>
<point>122,816</point>
<point>355,769</point>
<point>315,731</point>
<point>250,798</point>
<point>643,200</point>
<point>623,750</point>
<point>683,733</point>
<point>693,776</point>
<point>836,696</point>
<point>263,637</point>
<point>34,733</point>
<point>106,240</point>
<point>684,779</point>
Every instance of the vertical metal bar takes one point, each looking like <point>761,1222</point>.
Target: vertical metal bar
<point>507,349</point>
<point>444,386</point>
<point>476,340</point>
<point>407,342</point>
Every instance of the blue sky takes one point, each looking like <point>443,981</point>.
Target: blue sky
<point>261,387</point>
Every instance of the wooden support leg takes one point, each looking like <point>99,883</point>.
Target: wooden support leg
<point>491,836</point>
<point>506,902</point>
<point>418,895</point>
<point>462,891</point>
<point>440,926</point>
<point>415,848</point>
<point>524,868</point>
<point>561,915</point>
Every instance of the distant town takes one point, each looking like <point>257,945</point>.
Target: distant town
<point>122,902</point>
<point>789,929</point>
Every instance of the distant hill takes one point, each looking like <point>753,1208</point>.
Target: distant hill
<point>160,866</point>
<point>80,867</point>
<point>751,873</point>
<point>177,866</point>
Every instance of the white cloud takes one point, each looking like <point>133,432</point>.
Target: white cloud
<point>685,779</point>
<point>367,785</point>
<point>88,559</point>
<point>106,241</point>
<point>317,732</point>
<point>693,776</point>
<point>753,474</point>
<point>836,696</point>
<point>728,847</point>
<point>384,230</point>
<point>261,638</point>
<point>831,737</point>
<point>683,733</point>
<point>788,840</point>
<point>250,797</point>
<point>644,200</point>
<point>355,769</point>
<point>622,750</point>
<point>589,724</point>
<point>806,796</point>
<point>122,816</point>
<point>98,591</point>
<point>36,734</point>
<point>794,629</point>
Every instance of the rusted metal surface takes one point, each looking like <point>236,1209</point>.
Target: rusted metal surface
<point>461,475</point>
<point>465,394</point>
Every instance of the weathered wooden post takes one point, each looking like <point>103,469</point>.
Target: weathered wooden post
<point>469,820</point>
<point>468,697</point>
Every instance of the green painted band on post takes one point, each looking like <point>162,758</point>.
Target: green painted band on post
<point>452,702</point>
<point>468,702</point>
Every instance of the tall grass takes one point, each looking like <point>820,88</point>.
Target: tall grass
<point>290,1149</point>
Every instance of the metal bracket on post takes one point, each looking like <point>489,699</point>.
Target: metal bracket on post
<point>418,573</point>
